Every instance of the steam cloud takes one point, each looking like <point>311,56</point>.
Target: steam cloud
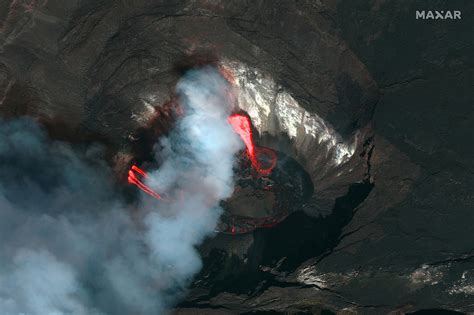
<point>68,242</point>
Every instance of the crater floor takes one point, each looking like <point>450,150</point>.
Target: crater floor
<point>262,200</point>
<point>372,104</point>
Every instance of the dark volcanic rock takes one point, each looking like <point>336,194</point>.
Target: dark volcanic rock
<point>389,227</point>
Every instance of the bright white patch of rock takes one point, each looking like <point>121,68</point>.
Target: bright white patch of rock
<point>465,285</point>
<point>273,110</point>
<point>427,275</point>
<point>310,276</point>
<point>148,110</point>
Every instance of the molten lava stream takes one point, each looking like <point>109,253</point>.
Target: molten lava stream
<point>133,179</point>
<point>241,125</point>
<point>139,171</point>
<point>144,188</point>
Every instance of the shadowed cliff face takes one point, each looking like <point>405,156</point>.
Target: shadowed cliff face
<point>373,104</point>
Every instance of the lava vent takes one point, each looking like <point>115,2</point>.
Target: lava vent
<point>263,200</point>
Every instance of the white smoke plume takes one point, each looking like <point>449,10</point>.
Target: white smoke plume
<point>68,244</point>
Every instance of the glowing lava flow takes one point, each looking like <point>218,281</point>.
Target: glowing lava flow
<point>241,125</point>
<point>135,180</point>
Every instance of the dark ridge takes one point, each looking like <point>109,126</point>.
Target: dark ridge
<point>263,313</point>
<point>435,311</point>
<point>310,236</point>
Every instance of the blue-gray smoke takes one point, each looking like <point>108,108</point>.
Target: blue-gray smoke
<point>68,244</point>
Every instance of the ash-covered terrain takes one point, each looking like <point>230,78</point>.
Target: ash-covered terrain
<point>370,107</point>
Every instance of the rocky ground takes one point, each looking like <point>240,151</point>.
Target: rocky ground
<point>374,104</point>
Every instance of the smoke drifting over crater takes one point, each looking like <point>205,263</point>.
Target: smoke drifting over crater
<point>69,244</point>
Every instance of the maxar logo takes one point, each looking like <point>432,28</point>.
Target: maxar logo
<point>438,15</point>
